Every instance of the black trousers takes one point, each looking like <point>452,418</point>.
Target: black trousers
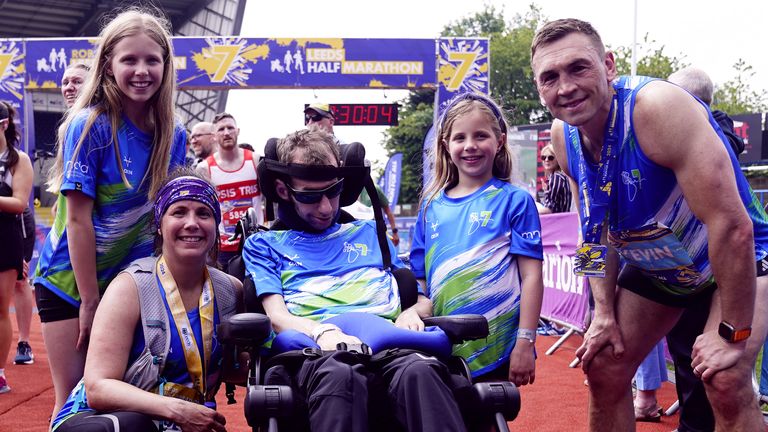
<point>339,392</point>
<point>695,411</point>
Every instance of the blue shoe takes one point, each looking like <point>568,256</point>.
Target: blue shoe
<point>24,354</point>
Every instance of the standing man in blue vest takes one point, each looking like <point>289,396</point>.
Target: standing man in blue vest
<point>661,192</point>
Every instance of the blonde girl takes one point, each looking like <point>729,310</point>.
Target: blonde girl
<point>477,241</point>
<point>116,145</point>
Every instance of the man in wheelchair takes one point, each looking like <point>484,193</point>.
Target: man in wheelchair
<point>320,281</point>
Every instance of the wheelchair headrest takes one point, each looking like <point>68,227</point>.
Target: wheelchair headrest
<point>354,170</point>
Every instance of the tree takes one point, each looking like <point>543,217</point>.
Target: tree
<point>511,83</point>
<point>511,77</point>
<point>652,61</point>
<point>408,138</point>
<point>736,96</point>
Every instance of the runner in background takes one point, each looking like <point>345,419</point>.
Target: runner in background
<point>15,187</point>
<point>233,171</point>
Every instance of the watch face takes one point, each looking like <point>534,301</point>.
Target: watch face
<point>725,331</point>
<point>729,333</point>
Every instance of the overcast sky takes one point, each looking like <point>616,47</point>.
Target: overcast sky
<point>712,38</point>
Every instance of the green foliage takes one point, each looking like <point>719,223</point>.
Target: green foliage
<point>511,78</point>
<point>511,83</point>
<point>408,138</point>
<point>484,23</point>
<point>736,96</point>
<point>652,60</point>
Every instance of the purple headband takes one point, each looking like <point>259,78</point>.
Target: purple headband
<point>485,100</point>
<point>186,188</point>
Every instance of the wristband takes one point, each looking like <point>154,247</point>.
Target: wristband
<point>321,329</point>
<point>394,230</point>
<point>528,334</point>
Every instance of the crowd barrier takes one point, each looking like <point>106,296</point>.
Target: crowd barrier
<point>566,296</point>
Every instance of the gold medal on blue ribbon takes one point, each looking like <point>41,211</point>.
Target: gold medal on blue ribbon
<point>590,260</point>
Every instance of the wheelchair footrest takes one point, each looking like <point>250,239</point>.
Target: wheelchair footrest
<point>263,402</point>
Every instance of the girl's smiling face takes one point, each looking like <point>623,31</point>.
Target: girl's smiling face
<point>137,67</point>
<point>472,146</point>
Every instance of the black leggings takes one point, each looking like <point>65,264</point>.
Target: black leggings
<point>117,421</point>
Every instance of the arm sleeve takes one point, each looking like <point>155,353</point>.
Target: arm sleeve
<point>525,235</point>
<point>417,247</point>
<point>263,265</point>
<point>81,169</point>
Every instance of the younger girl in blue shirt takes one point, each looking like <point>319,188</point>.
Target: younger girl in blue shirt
<point>477,241</point>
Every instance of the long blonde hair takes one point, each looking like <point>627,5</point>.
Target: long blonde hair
<point>445,175</point>
<point>101,93</point>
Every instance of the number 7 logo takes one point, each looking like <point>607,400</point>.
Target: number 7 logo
<point>465,59</point>
<point>226,55</point>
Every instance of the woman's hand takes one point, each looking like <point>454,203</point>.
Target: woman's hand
<point>192,417</point>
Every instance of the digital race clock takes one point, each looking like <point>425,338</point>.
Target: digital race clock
<point>354,114</point>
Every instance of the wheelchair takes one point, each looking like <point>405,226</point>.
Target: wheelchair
<point>265,404</point>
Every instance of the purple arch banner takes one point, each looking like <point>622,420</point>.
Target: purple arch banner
<point>234,62</point>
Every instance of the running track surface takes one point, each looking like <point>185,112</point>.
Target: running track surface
<point>557,402</point>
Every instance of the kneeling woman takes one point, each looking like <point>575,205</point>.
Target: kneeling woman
<point>125,390</point>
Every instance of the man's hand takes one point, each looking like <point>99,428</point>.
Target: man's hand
<point>522,364</point>
<point>712,354</point>
<point>603,332</point>
<point>409,319</point>
<point>331,338</point>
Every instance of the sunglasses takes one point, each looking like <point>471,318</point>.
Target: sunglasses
<point>314,196</point>
<point>314,117</point>
<point>548,158</point>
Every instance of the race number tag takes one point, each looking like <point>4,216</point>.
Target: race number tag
<point>590,260</point>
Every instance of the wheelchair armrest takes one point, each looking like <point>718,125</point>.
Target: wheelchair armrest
<point>460,328</point>
<point>246,329</point>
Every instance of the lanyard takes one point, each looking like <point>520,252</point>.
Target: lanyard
<point>196,364</point>
<point>596,195</point>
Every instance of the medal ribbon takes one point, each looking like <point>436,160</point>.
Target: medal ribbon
<point>596,196</point>
<point>197,364</point>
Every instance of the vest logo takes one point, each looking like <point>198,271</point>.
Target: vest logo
<point>634,182</point>
<point>478,219</point>
<point>293,260</point>
<point>77,166</point>
<point>434,225</point>
<point>354,251</point>
<point>127,162</point>
<point>530,235</point>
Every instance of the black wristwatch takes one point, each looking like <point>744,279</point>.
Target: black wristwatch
<point>394,230</point>
<point>730,334</point>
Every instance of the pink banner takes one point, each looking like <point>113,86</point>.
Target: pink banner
<point>565,295</point>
